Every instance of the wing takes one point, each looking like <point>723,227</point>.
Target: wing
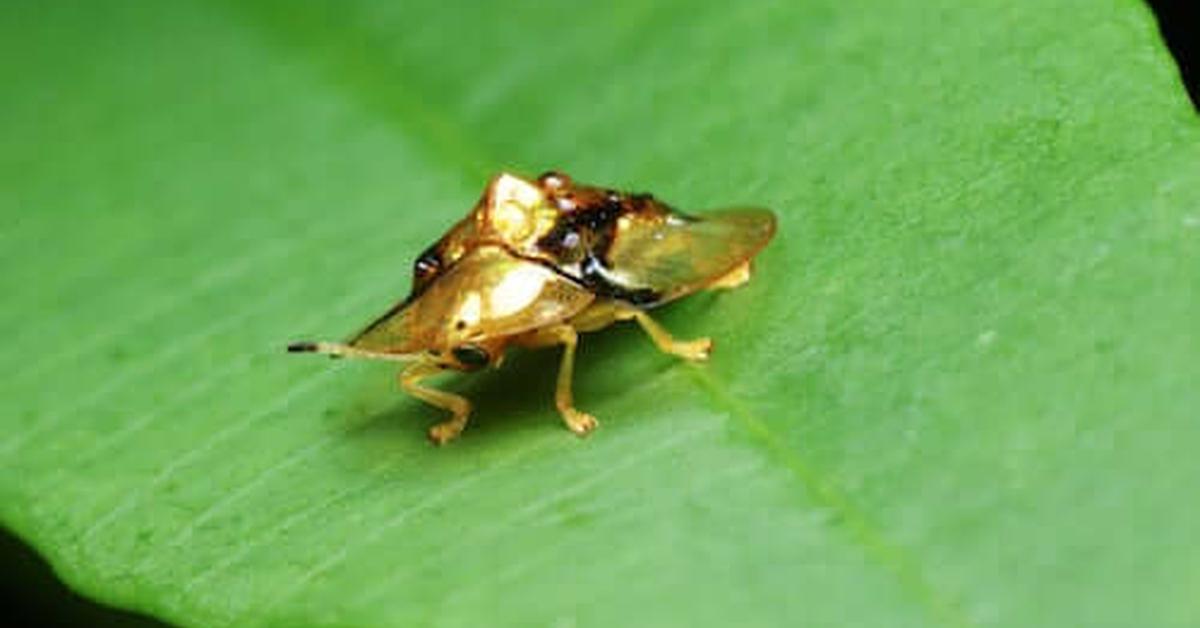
<point>672,255</point>
<point>485,294</point>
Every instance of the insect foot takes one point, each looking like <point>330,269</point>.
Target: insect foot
<point>697,350</point>
<point>446,431</point>
<point>581,423</point>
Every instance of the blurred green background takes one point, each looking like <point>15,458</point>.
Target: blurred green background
<point>961,390</point>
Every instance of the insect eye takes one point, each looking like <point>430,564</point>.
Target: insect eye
<point>553,180</point>
<point>471,356</point>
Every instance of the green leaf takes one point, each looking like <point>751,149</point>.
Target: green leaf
<point>962,389</point>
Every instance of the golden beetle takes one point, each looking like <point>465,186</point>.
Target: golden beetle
<point>537,262</point>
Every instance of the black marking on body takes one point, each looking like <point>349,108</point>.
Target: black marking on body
<point>427,267</point>
<point>582,238</point>
<point>595,277</point>
<point>583,230</point>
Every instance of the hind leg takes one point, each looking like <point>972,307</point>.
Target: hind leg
<point>695,350</point>
<point>605,313</point>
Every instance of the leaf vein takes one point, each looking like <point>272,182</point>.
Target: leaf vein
<point>864,532</point>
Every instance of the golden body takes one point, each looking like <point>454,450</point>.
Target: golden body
<point>536,263</point>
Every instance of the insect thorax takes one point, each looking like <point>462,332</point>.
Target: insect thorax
<point>551,221</point>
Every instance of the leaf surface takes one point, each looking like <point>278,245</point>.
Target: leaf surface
<point>961,390</point>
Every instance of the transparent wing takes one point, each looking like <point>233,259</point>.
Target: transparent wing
<point>675,255</point>
<point>486,294</point>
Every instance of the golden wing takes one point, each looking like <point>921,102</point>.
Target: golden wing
<point>670,255</point>
<point>485,294</point>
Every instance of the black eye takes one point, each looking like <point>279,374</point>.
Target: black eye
<point>471,356</point>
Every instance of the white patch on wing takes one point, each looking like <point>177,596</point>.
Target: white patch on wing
<point>519,289</point>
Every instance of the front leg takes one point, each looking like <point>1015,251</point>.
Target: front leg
<point>581,423</point>
<point>460,408</point>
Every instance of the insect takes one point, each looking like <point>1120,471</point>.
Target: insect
<point>536,263</point>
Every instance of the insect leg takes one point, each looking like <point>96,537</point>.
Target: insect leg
<point>447,430</point>
<point>695,350</point>
<point>579,422</point>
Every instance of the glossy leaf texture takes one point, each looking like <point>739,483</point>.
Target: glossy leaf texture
<point>961,390</point>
